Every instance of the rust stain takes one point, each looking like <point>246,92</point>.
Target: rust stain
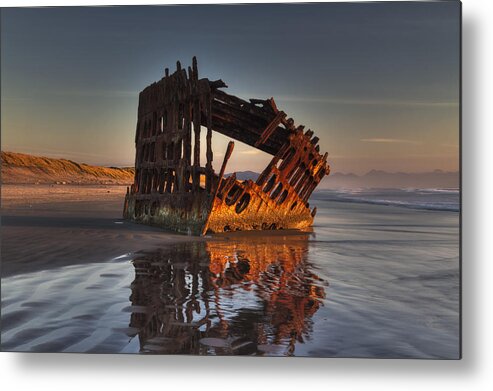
<point>175,305</point>
<point>173,189</point>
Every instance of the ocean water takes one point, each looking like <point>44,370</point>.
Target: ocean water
<point>429,199</point>
<point>368,280</point>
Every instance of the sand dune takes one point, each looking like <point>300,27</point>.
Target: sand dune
<point>21,168</point>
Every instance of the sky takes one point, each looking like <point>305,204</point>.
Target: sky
<point>378,83</point>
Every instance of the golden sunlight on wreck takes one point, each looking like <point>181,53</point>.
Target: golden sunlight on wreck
<point>175,189</point>
<point>196,306</point>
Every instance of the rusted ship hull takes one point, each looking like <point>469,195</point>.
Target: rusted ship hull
<point>261,213</point>
<point>174,191</point>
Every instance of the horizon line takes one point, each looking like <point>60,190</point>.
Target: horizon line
<point>131,165</point>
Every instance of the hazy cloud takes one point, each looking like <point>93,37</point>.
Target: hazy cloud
<point>450,145</point>
<point>389,141</point>
<point>250,152</point>
<point>367,102</point>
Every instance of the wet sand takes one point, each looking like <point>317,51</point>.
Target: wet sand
<point>49,226</point>
<point>368,281</point>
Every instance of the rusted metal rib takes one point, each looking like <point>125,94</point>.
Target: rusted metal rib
<point>270,128</point>
<point>227,155</point>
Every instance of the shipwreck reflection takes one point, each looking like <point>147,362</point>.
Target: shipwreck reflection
<point>247,296</point>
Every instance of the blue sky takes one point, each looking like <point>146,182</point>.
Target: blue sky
<point>377,82</point>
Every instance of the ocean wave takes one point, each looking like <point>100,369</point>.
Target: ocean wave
<point>427,206</point>
<point>441,191</point>
<point>424,199</point>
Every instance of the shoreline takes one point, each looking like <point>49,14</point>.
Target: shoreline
<point>77,277</point>
<point>49,226</point>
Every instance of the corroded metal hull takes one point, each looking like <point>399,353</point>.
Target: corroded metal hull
<point>261,213</point>
<point>174,191</point>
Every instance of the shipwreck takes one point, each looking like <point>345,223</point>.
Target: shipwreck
<point>175,190</point>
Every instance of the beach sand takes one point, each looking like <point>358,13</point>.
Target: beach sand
<point>48,226</point>
<point>366,281</point>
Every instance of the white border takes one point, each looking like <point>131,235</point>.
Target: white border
<point>474,372</point>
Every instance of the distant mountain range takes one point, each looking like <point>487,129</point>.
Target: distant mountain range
<point>23,168</point>
<point>245,175</point>
<point>437,179</point>
<point>380,179</point>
